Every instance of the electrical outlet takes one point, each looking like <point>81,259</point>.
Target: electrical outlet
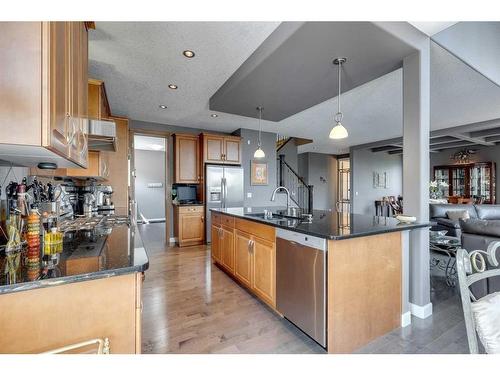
<point>249,195</point>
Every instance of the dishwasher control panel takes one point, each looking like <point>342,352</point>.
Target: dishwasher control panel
<point>302,239</point>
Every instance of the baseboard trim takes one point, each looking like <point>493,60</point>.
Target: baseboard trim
<point>172,240</point>
<point>406,319</point>
<point>421,312</point>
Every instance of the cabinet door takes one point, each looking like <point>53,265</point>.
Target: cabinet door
<point>227,248</point>
<point>83,95</point>
<point>58,81</point>
<point>186,159</point>
<point>216,255</point>
<point>73,101</point>
<point>232,150</point>
<point>264,270</point>
<point>213,146</point>
<point>242,257</point>
<point>191,228</point>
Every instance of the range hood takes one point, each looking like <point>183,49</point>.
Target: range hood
<point>102,135</point>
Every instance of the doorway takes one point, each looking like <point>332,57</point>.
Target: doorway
<point>150,182</point>
<point>344,184</point>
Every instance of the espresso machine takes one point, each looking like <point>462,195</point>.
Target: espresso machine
<point>103,198</point>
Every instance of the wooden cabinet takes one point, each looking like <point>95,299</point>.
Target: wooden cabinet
<point>474,182</point>
<point>227,247</point>
<point>216,245</point>
<point>186,159</point>
<point>219,149</point>
<point>243,258</point>
<point>264,269</point>
<point>43,67</point>
<point>98,107</point>
<point>189,225</point>
<point>247,250</point>
<point>97,167</point>
<point>109,307</point>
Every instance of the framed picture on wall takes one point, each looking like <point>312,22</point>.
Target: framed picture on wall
<point>258,173</point>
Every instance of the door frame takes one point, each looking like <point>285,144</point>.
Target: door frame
<point>168,179</point>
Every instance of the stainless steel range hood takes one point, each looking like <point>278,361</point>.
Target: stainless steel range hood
<point>102,135</point>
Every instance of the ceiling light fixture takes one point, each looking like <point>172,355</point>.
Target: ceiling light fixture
<point>214,115</point>
<point>339,131</point>
<point>259,153</point>
<point>172,86</point>
<point>188,53</point>
<point>162,106</point>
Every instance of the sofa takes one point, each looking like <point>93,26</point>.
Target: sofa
<point>477,234</point>
<point>440,221</point>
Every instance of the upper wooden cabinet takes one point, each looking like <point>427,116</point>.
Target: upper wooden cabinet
<point>43,94</point>
<point>98,106</point>
<point>186,159</point>
<point>221,149</point>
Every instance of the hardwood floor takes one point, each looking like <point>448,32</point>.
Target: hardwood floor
<point>191,306</point>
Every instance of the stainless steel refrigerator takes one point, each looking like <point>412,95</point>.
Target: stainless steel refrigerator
<point>223,189</point>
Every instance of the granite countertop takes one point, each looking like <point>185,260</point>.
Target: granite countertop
<point>87,254</point>
<point>325,224</point>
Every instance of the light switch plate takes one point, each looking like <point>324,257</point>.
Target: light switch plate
<point>249,195</point>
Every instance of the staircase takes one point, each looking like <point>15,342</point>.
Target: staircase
<point>300,193</point>
<point>282,140</point>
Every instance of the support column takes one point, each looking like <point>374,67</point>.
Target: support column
<point>416,127</point>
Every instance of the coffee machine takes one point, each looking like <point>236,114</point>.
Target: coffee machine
<point>103,195</point>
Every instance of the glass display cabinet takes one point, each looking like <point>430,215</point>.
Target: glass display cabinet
<point>475,181</point>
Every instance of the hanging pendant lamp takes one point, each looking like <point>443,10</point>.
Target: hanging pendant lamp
<point>259,153</point>
<point>339,131</point>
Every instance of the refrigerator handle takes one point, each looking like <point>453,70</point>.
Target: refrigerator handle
<point>222,197</point>
<point>224,187</point>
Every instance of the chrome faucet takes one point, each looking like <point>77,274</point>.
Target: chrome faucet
<point>273,197</point>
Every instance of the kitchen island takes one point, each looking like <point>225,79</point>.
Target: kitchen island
<point>365,268</point>
<point>89,290</point>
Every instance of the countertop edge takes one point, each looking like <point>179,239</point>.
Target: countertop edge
<point>46,283</point>
<point>403,227</point>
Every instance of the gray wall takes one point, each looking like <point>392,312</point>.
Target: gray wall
<point>261,195</point>
<point>363,164</point>
<point>320,170</point>
<point>482,154</point>
<point>291,154</point>
<point>150,167</point>
<point>7,175</point>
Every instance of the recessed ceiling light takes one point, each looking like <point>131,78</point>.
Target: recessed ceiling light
<point>214,115</point>
<point>188,53</point>
<point>172,86</point>
<point>162,106</point>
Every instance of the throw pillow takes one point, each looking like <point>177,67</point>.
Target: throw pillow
<point>486,314</point>
<point>458,214</point>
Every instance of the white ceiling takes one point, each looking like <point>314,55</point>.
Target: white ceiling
<point>142,142</point>
<point>431,28</point>
<point>137,60</point>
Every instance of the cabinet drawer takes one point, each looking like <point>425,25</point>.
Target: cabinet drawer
<point>216,218</point>
<point>263,231</point>
<point>228,221</point>
<point>190,209</point>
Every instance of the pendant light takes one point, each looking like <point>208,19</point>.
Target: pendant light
<point>338,131</point>
<point>259,153</point>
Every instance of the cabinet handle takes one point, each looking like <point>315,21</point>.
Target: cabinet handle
<point>202,219</point>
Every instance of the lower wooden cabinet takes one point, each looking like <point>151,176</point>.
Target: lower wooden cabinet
<point>264,269</point>
<point>227,248</point>
<point>243,253</point>
<point>39,320</point>
<point>243,257</point>
<point>189,225</point>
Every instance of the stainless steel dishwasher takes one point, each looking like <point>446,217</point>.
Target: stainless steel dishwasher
<point>301,282</point>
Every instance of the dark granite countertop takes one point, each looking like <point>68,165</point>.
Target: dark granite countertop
<point>87,254</point>
<point>325,224</point>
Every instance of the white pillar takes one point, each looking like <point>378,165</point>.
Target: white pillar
<point>416,127</point>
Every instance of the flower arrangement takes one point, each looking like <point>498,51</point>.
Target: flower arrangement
<point>437,189</point>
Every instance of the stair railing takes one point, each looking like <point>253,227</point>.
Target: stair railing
<point>300,192</point>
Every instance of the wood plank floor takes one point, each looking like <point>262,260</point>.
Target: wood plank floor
<point>191,306</point>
